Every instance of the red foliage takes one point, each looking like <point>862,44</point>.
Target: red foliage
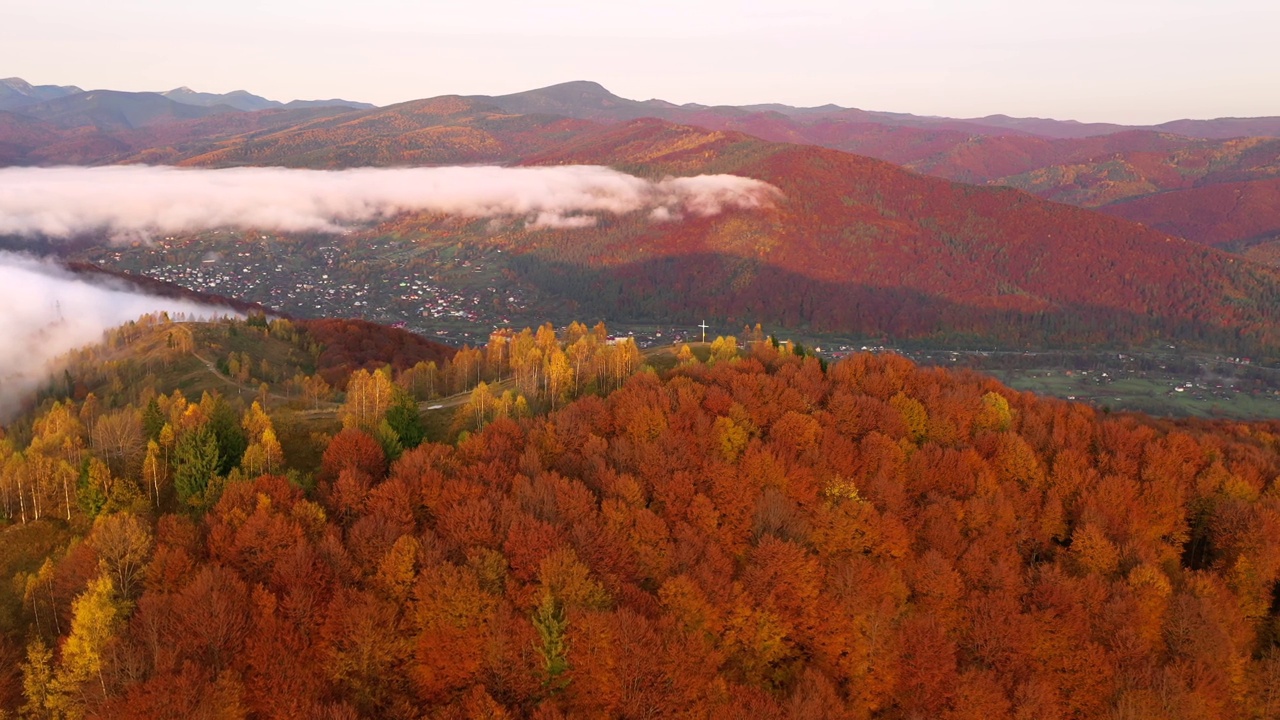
<point>350,345</point>
<point>356,450</point>
<point>612,559</point>
<point>1212,214</point>
<point>859,245</point>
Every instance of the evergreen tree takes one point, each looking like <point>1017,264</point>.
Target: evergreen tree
<point>196,461</point>
<point>405,421</point>
<point>224,422</point>
<point>89,494</point>
<point>153,419</point>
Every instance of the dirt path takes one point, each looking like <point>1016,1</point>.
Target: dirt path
<point>330,409</point>
<point>213,368</point>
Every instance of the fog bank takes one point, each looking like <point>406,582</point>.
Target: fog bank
<point>46,311</point>
<point>137,201</point>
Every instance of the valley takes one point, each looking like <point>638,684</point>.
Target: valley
<point>450,291</point>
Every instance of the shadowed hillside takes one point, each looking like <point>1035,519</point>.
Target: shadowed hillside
<point>856,224</point>
<point>1237,214</point>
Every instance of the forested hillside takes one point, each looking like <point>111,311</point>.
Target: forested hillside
<point>745,534</point>
<point>858,245</point>
<point>850,246</point>
<point>1236,215</point>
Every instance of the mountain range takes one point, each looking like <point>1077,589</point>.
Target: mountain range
<point>70,106</point>
<point>16,92</point>
<point>244,100</point>
<point>859,245</point>
<point>591,101</point>
<point>1171,166</point>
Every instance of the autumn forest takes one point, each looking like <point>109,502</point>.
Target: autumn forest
<point>734,531</point>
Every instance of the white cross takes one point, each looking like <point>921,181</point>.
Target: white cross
<point>704,327</point>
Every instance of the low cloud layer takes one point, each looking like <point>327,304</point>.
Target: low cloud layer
<point>136,201</point>
<point>48,312</point>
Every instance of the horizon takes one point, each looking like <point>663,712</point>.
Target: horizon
<point>287,99</point>
<point>1127,64</point>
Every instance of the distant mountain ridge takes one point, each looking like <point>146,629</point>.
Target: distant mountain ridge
<point>1095,165</point>
<point>115,110</point>
<point>18,95</point>
<point>592,101</point>
<point>238,99</point>
<point>16,92</point>
<point>248,102</point>
<point>589,100</point>
<point>858,246</point>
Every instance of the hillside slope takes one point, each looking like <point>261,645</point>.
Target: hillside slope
<point>1090,171</point>
<point>20,136</point>
<point>1089,164</point>
<point>856,246</point>
<point>859,245</point>
<point>1094,177</point>
<point>25,140</point>
<point>1237,214</point>
<point>440,131</point>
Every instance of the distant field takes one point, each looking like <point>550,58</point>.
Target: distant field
<point>1154,395</point>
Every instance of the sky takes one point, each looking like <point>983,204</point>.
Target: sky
<point>1128,61</point>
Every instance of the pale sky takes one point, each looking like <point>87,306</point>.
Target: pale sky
<point>1130,61</point>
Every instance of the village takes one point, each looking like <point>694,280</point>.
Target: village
<point>458,300</point>
<point>318,280</point>
<point>460,296</point>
